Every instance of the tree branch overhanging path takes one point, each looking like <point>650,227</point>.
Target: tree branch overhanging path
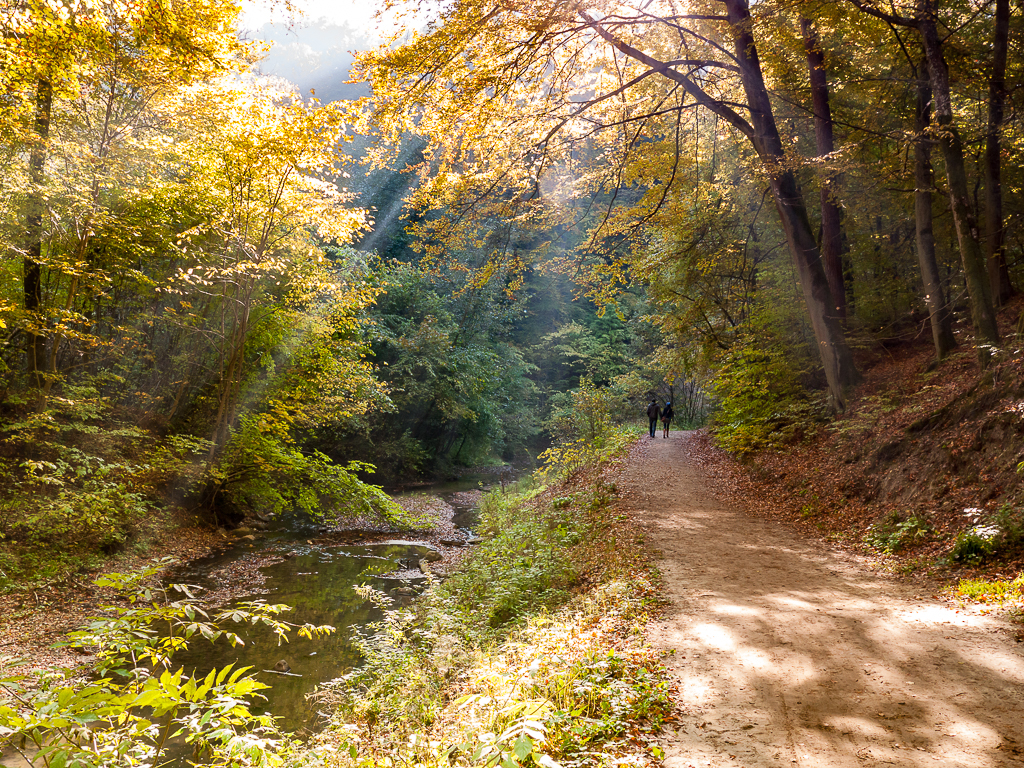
<point>539,75</point>
<point>789,654</point>
<point>763,133</point>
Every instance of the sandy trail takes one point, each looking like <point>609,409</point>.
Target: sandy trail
<point>788,653</point>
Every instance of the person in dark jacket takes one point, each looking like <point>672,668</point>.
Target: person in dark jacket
<point>653,412</point>
<point>666,419</point>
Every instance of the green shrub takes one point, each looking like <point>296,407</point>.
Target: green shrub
<point>81,486</point>
<point>896,532</point>
<point>523,565</point>
<point>135,701</point>
<point>974,545</point>
<point>760,400</point>
<point>589,425</point>
<point>263,468</point>
<point>1001,533</point>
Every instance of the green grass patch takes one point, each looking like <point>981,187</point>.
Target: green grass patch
<point>996,591</point>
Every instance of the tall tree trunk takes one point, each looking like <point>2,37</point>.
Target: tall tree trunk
<point>763,134</point>
<point>938,312</point>
<point>831,214</point>
<point>835,354</point>
<point>975,270</point>
<point>35,348</point>
<point>995,235</point>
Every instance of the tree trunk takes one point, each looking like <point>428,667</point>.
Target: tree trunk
<point>763,134</point>
<point>835,354</point>
<point>938,312</point>
<point>975,269</point>
<point>831,214</point>
<point>35,348</point>
<point>995,234</point>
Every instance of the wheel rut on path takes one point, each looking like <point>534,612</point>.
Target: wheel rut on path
<point>788,653</point>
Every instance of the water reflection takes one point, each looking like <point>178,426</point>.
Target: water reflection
<point>318,584</point>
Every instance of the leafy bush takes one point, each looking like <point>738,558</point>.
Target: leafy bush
<point>560,698</point>
<point>263,468</point>
<point>397,685</point>
<point>975,544</point>
<point>135,702</point>
<point>761,403</point>
<point>572,688</point>
<point>584,429</point>
<point>1004,531</point>
<point>81,484</point>
<point>895,532</point>
<point>524,565</point>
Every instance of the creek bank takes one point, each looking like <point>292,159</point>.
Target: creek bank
<point>33,620</point>
<point>531,653</point>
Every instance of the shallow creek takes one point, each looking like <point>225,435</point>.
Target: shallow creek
<point>315,571</point>
<point>316,576</point>
<point>318,583</point>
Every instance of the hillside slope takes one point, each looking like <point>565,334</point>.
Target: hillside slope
<point>923,454</point>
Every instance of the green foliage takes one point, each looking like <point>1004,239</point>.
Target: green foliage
<point>599,349</point>
<point>398,685</point>
<point>974,545</point>
<point>569,708</point>
<point>136,702</point>
<point>460,391</point>
<point>79,483</point>
<point>523,566</point>
<point>759,397</point>
<point>599,698</point>
<point>897,532</point>
<point>1001,533</point>
<point>264,471</point>
<point>991,591</point>
<point>584,427</point>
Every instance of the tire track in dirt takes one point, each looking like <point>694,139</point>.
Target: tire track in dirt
<point>789,654</point>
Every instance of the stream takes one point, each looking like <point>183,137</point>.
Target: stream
<point>314,570</point>
<point>316,576</point>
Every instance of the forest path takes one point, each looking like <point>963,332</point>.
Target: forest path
<point>788,653</point>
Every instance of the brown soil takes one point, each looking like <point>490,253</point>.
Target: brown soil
<point>790,653</point>
<point>916,439</point>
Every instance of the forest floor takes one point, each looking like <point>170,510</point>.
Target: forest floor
<point>787,652</point>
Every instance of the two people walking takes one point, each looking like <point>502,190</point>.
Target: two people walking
<point>654,412</point>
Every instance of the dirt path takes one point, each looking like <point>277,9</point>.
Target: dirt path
<point>790,654</point>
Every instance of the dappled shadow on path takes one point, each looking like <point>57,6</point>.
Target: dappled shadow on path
<point>789,654</point>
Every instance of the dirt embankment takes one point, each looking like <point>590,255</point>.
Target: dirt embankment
<point>917,439</point>
<point>790,653</point>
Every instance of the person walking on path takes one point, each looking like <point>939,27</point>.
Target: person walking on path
<point>653,412</point>
<point>666,419</point>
